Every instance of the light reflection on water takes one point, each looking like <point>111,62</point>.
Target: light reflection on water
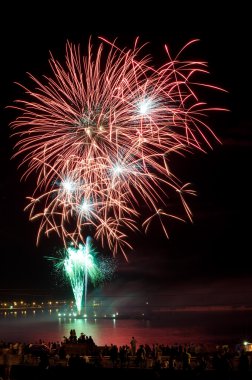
<point>176,327</point>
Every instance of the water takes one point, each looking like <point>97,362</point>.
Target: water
<point>174,327</point>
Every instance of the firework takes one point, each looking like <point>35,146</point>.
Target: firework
<point>100,136</point>
<point>80,264</point>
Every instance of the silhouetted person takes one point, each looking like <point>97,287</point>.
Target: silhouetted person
<point>133,343</point>
<point>244,363</point>
<point>186,360</point>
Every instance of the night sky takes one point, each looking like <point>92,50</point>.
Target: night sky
<point>204,262</point>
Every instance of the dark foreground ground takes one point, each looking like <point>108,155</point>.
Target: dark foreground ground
<point>23,372</point>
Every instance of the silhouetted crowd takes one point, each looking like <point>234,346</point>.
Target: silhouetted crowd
<point>81,351</point>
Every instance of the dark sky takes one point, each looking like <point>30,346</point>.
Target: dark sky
<point>207,261</point>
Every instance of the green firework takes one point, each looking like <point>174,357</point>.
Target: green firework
<point>79,264</point>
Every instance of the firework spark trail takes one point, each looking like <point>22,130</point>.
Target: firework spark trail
<point>80,264</point>
<point>76,265</point>
<point>100,135</point>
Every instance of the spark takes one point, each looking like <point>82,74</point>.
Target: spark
<point>145,106</point>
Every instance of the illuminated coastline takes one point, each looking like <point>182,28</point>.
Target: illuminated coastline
<point>66,309</point>
<point>98,309</point>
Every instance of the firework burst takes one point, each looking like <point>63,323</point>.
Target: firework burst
<point>78,264</point>
<point>100,135</point>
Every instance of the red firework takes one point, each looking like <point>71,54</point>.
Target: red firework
<point>100,134</point>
